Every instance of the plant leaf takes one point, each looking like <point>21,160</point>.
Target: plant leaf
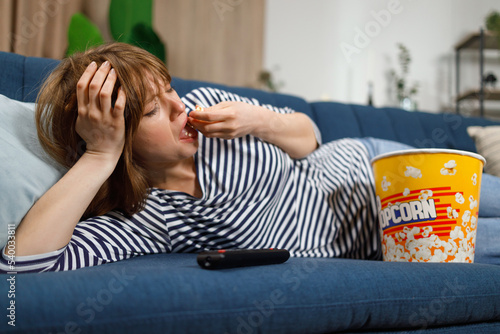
<point>493,21</point>
<point>125,14</point>
<point>145,37</point>
<point>82,34</point>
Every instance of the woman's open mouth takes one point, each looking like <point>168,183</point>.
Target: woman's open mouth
<point>188,132</point>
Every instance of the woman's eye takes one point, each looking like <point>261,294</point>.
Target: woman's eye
<point>170,89</point>
<point>152,112</point>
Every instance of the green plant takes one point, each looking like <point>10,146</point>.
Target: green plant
<point>82,34</point>
<point>130,21</point>
<point>492,23</point>
<point>403,90</point>
<point>267,81</point>
<point>125,14</point>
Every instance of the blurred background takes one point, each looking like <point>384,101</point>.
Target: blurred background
<point>353,51</point>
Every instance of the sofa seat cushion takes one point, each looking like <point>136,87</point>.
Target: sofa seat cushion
<point>169,293</point>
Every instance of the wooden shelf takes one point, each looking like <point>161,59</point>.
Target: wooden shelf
<point>471,41</point>
<point>479,41</point>
<point>489,95</point>
<point>492,114</point>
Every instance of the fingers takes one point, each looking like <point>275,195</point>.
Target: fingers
<point>107,90</point>
<point>83,84</point>
<point>95,89</point>
<point>210,115</point>
<point>217,129</point>
<point>119,103</point>
<point>225,120</point>
<point>212,122</point>
<point>96,85</point>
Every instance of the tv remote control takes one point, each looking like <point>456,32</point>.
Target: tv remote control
<point>231,258</point>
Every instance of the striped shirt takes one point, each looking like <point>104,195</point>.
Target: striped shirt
<point>254,196</point>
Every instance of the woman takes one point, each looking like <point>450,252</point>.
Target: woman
<point>142,180</point>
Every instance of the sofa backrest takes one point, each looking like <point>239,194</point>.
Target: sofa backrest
<point>21,77</point>
<point>417,128</point>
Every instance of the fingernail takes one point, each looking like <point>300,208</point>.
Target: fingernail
<point>112,71</point>
<point>105,64</point>
<point>92,64</point>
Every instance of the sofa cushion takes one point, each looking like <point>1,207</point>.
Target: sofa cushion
<point>487,141</point>
<point>25,170</point>
<point>335,120</point>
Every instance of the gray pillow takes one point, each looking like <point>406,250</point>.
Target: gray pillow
<point>487,140</point>
<point>26,171</point>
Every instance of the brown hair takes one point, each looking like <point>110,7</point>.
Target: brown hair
<point>57,110</point>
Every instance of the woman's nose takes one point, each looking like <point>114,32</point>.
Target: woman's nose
<point>178,107</point>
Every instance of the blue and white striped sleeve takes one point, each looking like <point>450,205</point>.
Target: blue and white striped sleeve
<point>207,96</point>
<point>108,238</point>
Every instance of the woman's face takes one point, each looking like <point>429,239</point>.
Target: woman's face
<point>163,137</point>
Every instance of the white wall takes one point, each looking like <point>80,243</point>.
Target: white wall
<point>304,40</point>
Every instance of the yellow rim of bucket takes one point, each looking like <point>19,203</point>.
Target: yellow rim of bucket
<point>427,150</point>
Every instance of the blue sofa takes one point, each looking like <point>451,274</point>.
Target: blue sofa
<point>169,293</point>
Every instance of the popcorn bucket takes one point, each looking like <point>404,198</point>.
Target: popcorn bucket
<point>428,202</point>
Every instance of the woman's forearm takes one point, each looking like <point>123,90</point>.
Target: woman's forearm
<point>293,133</point>
<point>49,224</point>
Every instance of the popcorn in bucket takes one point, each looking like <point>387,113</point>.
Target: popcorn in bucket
<point>428,204</point>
